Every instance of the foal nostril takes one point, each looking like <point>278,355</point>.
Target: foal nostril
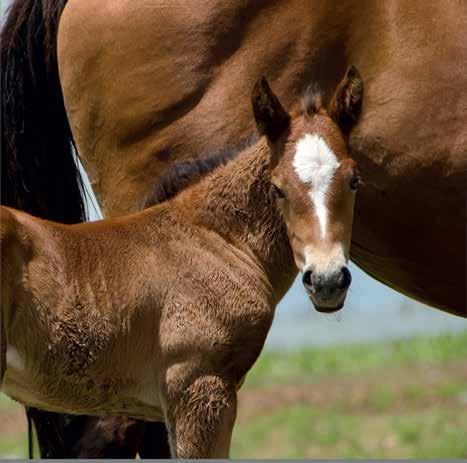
<point>306,279</point>
<point>345,278</point>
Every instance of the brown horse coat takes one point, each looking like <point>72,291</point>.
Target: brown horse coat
<point>144,84</point>
<point>159,315</point>
<point>127,315</point>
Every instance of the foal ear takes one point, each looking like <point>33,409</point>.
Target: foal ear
<point>346,104</point>
<point>271,118</point>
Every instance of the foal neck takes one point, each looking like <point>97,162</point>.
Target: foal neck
<point>235,201</point>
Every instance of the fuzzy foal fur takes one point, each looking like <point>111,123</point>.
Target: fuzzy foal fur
<point>158,315</point>
<point>410,143</point>
<point>178,337</point>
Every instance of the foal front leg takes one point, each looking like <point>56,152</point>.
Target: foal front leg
<point>200,418</point>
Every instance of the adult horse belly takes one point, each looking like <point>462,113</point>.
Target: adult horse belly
<point>414,244</point>
<point>148,83</point>
<point>410,218</point>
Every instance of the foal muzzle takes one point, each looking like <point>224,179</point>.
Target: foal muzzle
<point>327,290</point>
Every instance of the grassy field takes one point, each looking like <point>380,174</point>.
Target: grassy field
<point>405,399</point>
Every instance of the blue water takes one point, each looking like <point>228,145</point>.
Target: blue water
<point>372,313</point>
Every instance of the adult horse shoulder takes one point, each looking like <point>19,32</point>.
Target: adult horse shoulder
<point>136,109</point>
<point>160,314</point>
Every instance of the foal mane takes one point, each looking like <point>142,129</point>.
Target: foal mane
<point>183,174</point>
<point>311,102</point>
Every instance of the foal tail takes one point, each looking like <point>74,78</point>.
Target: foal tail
<point>38,170</point>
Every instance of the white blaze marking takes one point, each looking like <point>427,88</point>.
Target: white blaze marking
<point>13,359</point>
<point>315,165</point>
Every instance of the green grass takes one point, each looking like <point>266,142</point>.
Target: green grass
<point>6,403</point>
<point>300,432</point>
<point>404,399</point>
<point>12,444</point>
<point>14,447</point>
<point>315,363</point>
<point>13,429</point>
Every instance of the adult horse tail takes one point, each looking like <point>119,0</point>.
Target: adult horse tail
<point>38,171</point>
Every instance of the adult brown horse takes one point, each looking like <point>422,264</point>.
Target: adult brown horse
<point>144,81</point>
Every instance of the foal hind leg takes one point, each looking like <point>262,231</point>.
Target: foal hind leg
<point>200,418</point>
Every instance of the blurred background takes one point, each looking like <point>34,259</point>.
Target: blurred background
<point>386,377</point>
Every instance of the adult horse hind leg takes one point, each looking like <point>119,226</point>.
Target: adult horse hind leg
<point>60,435</point>
<point>56,432</point>
<point>120,437</point>
<point>74,436</point>
<point>109,437</point>
<point>200,418</point>
<point>155,442</point>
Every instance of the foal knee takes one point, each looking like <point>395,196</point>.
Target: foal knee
<point>202,418</point>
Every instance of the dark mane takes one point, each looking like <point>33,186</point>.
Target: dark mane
<point>185,173</point>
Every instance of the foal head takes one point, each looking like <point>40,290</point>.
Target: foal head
<point>314,181</point>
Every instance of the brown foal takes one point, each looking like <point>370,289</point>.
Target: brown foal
<point>159,315</point>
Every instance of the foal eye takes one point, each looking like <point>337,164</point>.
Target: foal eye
<point>354,182</point>
<point>278,192</point>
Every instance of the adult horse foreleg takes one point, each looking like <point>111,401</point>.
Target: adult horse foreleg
<point>200,418</point>
<point>121,437</point>
<point>155,442</point>
<point>74,436</point>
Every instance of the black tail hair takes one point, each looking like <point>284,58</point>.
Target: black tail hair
<point>38,171</point>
